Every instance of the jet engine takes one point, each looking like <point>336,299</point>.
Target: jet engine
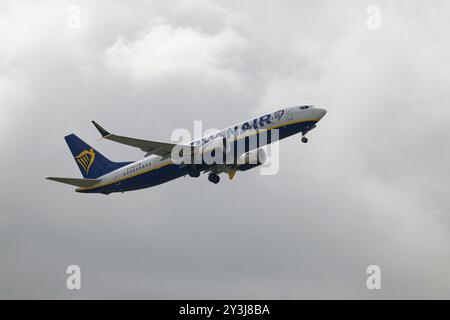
<point>251,159</point>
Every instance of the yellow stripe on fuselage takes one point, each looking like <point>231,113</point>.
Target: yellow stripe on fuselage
<point>170,162</point>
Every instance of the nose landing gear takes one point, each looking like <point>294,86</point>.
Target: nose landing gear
<point>304,139</point>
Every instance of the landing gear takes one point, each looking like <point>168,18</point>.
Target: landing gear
<point>214,178</point>
<point>194,172</point>
<point>304,139</point>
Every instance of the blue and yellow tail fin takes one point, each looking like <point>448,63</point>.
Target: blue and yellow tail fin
<point>92,163</point>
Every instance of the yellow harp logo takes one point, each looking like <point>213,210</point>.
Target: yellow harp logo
<point>86,159</point>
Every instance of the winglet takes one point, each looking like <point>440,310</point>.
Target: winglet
<point>231,174</point>
<point>102,131</point>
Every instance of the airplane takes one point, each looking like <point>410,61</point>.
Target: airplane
<point>101,175</point>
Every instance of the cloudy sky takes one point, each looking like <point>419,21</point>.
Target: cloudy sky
<point>371,187</point>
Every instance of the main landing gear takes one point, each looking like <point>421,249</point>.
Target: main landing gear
<point>304,139</point>
<point>194,172</point>
<point>214,178</point>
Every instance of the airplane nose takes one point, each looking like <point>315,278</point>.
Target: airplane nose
<point>320,113</point>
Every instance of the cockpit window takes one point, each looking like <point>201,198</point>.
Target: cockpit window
<point>304,107</point>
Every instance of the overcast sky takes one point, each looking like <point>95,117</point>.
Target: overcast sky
<point>371,187</point>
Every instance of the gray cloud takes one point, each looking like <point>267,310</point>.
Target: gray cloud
<point>368,189</point>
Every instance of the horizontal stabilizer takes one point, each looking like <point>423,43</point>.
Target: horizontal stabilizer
<point>76,181</point>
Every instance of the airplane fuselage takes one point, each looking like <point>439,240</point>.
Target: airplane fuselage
<point>154,170</point>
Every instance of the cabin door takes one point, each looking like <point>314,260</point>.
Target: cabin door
<point>116,179</point>
<point>289,115</point>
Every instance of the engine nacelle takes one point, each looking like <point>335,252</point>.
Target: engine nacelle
<point>251,159</point>
<point>257,156</point>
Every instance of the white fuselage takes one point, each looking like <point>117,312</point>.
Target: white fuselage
<point>152,162</point>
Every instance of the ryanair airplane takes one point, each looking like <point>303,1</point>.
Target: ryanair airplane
<point>167,161</point>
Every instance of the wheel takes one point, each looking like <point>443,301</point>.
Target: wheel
<point>214,178</point>
<point>304,139</point>
<point>194,173</point>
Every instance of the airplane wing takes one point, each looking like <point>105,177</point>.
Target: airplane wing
<point>76,181</point>
<point>150,147</point>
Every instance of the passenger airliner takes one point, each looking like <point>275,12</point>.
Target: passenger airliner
<point>101,175</point>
